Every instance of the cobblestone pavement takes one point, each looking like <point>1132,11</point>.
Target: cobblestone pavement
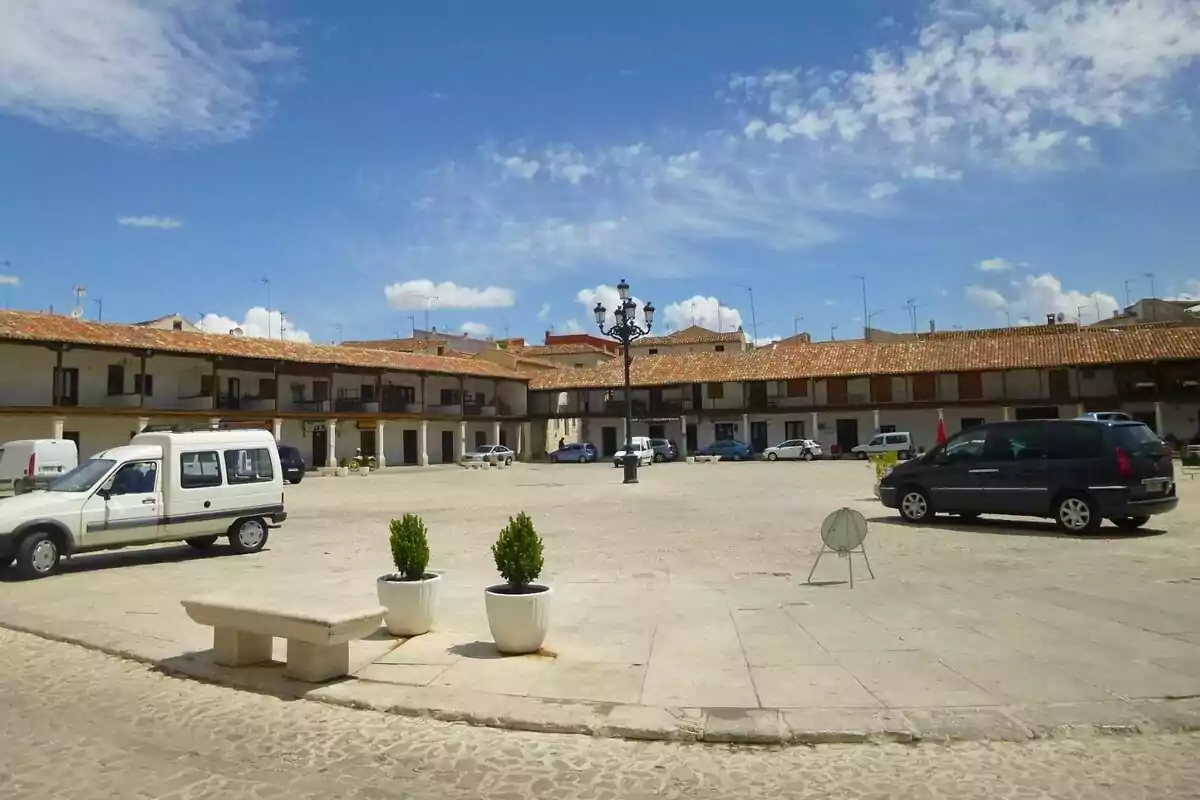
<point>77,723</point>
<point>696,598</point>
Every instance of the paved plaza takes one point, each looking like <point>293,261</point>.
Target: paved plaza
<point>681,609</point>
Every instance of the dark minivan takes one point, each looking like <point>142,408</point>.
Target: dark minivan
<point>1077,472</point>
<point>292,463</point>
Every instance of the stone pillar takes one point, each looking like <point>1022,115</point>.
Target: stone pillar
<point>331,443</point>
<point>683,445</point>
<point>142,422</point>
<point>1079,409</point>
<point>941,418</point>
<point>462,440</point>
<point>625,434</point>
<point>277,429</point>
<point>380,444</point>
<point>59,424</point>
<point>745,437</point>
<point>423,444</point>
<point>1159,428</point>
<point>525,440</point>
<point>875,416</point>
<point>1007,413</point>
<point>496,432</point>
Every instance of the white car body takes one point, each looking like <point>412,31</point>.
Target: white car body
<point>492,454</point>
<point>161,487</point>
<point>899,442</point>
<point>48,458</point>
<point>641,448</point>
<point>793,449</point>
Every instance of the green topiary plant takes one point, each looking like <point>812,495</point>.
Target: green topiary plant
<point>518,552</point>
<point>410,546</point>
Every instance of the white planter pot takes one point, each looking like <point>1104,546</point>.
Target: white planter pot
<point>411,605</point>
<point>343,472</point>
<point>364,470</point>
<point>519,622</point>
<point>691,459</point>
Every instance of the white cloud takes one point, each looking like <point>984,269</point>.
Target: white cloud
<point>933,172</point>
<point>608,296</point>
<point>162,223</point>
<point>9,280</point>
<point>830,302</point>
<point>425,293</point>
<point>257,323</point>
<point>571,326</point>
<point>763,341</point>
<point>994,265</point>
<point>707,312</point>
<point>148,70</point>
<point>517,167</point>
<point>1035,296</point>
<point>544,312</point>
<point>883,189</point>
<point>475,329</point>
<point>1191,291</point>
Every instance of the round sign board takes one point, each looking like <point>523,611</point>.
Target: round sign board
<point>844,530</point>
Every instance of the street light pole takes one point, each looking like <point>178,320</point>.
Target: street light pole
<point>866,317</point>
<point>625,330</point>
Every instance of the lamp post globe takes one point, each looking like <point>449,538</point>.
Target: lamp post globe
<point>625,330</point>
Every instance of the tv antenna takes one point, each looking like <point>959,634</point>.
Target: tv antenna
<point>80,294</point>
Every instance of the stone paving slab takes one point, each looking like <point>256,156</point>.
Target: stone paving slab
<point>670,629</point>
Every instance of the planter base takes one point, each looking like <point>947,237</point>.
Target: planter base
<point>411,605</point>
<point>519,622</point>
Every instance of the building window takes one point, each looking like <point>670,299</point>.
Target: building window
<point>266,389</point>
<point>580,364</point>
<point>249,466</point>
<point>836,391</point>
<point>716,391</point>
<point>199,470</point>
<point>793,430</point>
<point>367,392</point>
<point>797,387</point>
<point>724,431</point>
<point>719,348</point>
<point>971,422</point>
<point>206,385</point>
<point>116,380</point>
<point>887,429</point>
<point>653,351</point>
<point>177,325</point>
<point>970,385</point>
<point>450,397</point>
<point>143,384</point>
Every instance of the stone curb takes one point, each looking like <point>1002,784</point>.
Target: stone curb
<point>739,726</point>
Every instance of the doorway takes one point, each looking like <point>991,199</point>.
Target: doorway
<point>409,440</point>
<point>1147,418</point>
<point>608,440</point>
<point>68,386</point>
<point>233,394</point>
<point>847,434</point>
<point>447,447</point>
<point>758,436</point>
<point>366,442</point>
<point>658,432</point>
<point>480,439</point>
<point>73,436</point>
<point>1037,412</point>
<point>503,438</point>
<point>697,396</point>
<point>692,439</point>
<point>320,446</point>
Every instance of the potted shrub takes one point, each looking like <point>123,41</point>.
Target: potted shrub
<point>518,610</point>
<point>409,594</point>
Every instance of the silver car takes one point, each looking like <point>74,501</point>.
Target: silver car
<point>492,454</point>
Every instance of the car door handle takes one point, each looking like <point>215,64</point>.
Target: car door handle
<point>983,471</point>
<point>149,502</point>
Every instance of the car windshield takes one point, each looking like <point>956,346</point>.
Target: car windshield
<point>1138,440</point>
<point>486,448</point>
<point>83,477</point>
<point>290,453</point>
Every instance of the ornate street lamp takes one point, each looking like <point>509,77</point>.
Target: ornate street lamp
<point>625,330</point>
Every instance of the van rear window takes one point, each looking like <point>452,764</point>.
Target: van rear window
<point>1138,440</point>
<point>249,466</point>
<point>199,470</point>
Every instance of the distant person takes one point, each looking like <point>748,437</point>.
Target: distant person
<point>562,442</point>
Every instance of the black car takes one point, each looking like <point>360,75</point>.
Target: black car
<point>1077,472</point>
<point>292,463</point>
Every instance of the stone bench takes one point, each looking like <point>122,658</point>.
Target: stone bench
<point>318,641</point>
<point>473,464</point>
<point>707,459</point>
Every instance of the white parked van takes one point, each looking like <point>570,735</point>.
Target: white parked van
<point>642,448</point>
<point>161,487</point>
<point>27,464</point>
<point>898,442</point>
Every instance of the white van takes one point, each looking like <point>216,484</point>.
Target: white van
<point>161,487</point>
<point>642,448</point>
<point>899,442</point>
<point>27,464</point>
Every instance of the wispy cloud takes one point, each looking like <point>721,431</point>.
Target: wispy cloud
<point>162,223</point>
<point>257,323</point>
<point>1033,296</point>
<point>475,329</point>
<point>994,265</point>
<point>425,293</point>
<point>172,68</point>
<point>984,87</point>
<point>544,312</point>
<point>9,280</point>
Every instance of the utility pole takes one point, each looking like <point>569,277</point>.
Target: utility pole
<point>9,282</point>
<point>1153,294</point>
<point>833,332</point>
<point>412,319</point>
<point>1079,313</point>
<point>267,283</point>
<point>99,309</point>
<point>1008,318</point>
<point>1128,302</point>
<point>1096,300</point>
<point>753,316</point>
<point>866,317</point>
<point>798,320</point>
<point>429,298</point>
<point>912,305</point>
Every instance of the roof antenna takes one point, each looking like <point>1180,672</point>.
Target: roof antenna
<point>80,294</point>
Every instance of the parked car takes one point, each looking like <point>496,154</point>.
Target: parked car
<point>28,464</point>
<point>492,454</point>
<point>575,453</point>
<point>1076,472</point>
<point>161,487</point>
<point>899,442</point>
<point>664,450</point>
<point>728,450</point>
<point>292,463</point>
<point>1107,416</point>
<point>805,449</point>
<point>641,448</point>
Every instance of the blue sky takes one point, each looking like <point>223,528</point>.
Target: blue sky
<point>505,164</point>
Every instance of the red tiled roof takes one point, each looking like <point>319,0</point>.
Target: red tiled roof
<point>693,334</point>
<point>1075,347</point>
<point>53,329</point>
<point>394,345</point>
<point>567,349</point>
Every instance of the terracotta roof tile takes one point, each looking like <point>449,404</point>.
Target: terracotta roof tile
<point>53,329</point>
<point>566,349</point>
<point>394,345</point>
<point>1075,347</point>
<point>693,334</point>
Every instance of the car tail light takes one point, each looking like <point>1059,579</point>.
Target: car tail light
<point>1124,467</point>
<point>32,464</point>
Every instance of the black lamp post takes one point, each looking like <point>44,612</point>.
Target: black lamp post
<point>625,330</point>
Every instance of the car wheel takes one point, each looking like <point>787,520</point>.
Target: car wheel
<point>202,542</point>
<point>772,457</point>
<point>583,459</point>
<point>37,555</point>
<point>914,505</point>
<point>808,456</point>
<point>659,457</point>
<point>248,535</point>
<point>862,455</point>
<point>1130,523</point>
<point>508,461</point>
<point>1075,513</point>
